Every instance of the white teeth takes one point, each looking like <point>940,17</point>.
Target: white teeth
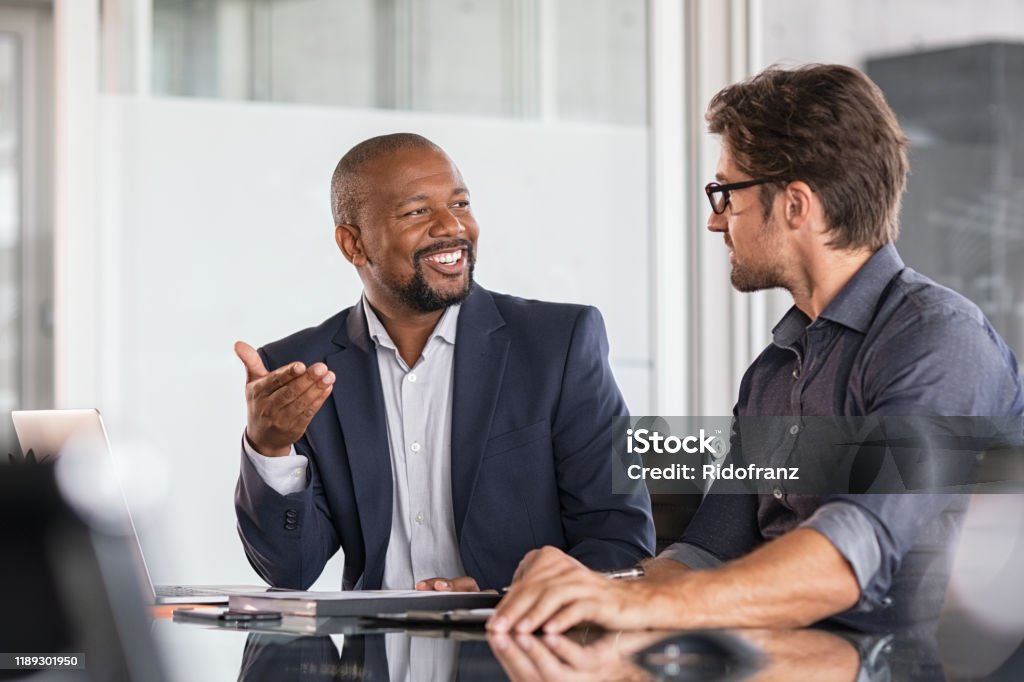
<point>447,258</point>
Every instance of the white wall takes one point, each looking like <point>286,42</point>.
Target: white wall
<point>216,226</point>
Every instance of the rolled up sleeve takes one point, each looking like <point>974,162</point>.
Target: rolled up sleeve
<point>854,536</point>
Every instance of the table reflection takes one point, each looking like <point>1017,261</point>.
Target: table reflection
<point>761,655</point>
<point>391,656</point>
<point>339,649</point>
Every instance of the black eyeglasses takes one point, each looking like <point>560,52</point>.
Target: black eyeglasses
<point>719,203</point>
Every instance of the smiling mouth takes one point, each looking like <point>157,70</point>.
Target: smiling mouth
<point>450,262</point>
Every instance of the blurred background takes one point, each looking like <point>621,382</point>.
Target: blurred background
<point>165,164</point>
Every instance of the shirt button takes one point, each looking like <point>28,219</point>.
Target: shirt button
<point>412,378</point>
<point>415,447</point>
<point>777,493</point>
<point>297,473</point>
<point>794,429</point>
<point>419,518</point>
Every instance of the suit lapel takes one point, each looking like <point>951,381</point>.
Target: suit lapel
<point>481,349</point>
<point>359,402</point>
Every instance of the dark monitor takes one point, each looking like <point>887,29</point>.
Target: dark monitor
<point>62,584</point>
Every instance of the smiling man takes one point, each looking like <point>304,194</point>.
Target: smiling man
<point>807,195</point>
<point>435,431</point>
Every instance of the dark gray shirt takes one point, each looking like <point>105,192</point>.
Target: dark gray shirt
<point>891,343</point>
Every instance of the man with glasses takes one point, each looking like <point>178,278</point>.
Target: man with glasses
<point>806,197</point>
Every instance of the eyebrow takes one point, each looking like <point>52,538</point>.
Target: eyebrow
<point>423,197</point>
<point>720,178</point>
<point>411,200</point>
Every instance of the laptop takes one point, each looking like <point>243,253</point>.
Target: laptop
<point>47,432</point>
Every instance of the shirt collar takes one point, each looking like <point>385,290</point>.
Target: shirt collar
<point>444,330</point>
<point>854,306</point>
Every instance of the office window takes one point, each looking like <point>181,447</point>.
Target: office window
<point>26,221</point>
<point>10,234</point>
<point>572,60</point>
<point>955,78</point>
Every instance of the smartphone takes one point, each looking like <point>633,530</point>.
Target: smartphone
<point>225,615</point>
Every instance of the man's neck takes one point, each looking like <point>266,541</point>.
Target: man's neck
<point>824,276</point>
<point>409,330</point>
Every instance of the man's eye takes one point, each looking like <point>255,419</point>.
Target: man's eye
<point>415,212</point>
<point>460,204</point>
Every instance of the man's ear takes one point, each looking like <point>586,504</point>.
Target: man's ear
<point>798,203</point>
<point>350,241</point>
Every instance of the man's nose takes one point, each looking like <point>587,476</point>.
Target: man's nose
<point>447,224</point>
<point>717,222</point>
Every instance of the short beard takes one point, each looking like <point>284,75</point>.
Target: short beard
<point>417,293</point>
<point>757,279</point>
<point>765,275</point>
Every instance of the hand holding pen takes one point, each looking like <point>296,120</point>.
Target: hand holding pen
<point>554,591</point>
<point>617,574</point>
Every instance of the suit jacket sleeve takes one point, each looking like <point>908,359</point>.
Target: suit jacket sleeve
<point>287,538</point>
<point>603,530</point>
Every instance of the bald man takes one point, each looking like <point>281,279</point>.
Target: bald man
<point>435,431</point>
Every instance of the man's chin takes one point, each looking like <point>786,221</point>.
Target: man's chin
<point>749,282</point>
<point>439,298</point>
<point>454,295</point>
<point>452,288</point>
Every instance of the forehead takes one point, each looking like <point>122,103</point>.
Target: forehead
<point>726,167</point>
<point>407,172</point>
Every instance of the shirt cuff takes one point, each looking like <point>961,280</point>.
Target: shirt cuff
<point>690,556</point>
<point>286,475</point>
<point>851,533</point>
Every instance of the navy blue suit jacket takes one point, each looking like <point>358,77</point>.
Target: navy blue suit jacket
<point>531,454</point>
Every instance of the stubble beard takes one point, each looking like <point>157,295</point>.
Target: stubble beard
<point>769,272</point>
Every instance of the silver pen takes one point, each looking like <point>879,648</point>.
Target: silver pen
<point>622,573</point>
<point>617,574</point>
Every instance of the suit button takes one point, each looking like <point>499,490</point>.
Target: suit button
<point>291,513</point>
<point>290,526</point>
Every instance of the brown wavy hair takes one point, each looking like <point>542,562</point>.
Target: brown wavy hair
<point>829,126</point>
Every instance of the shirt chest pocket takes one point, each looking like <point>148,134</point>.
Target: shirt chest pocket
<point>512,440</point>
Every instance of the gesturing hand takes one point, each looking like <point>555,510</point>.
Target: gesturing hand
<point>280,403</point>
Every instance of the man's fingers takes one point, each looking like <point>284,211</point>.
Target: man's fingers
<point>537,594</point>
<point>525,563</point>
<point>254,368</point>
<point>301,398</point>
<point>461,584</point>
<point>552,600</point>
<point>464,584</point>
<point>544,564</point>
<point>282,376</point>
<point>581,610</point>
<point>534,607</point>
<point>293,382</point>
<point>283,403</point>
<point>519,601</point>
